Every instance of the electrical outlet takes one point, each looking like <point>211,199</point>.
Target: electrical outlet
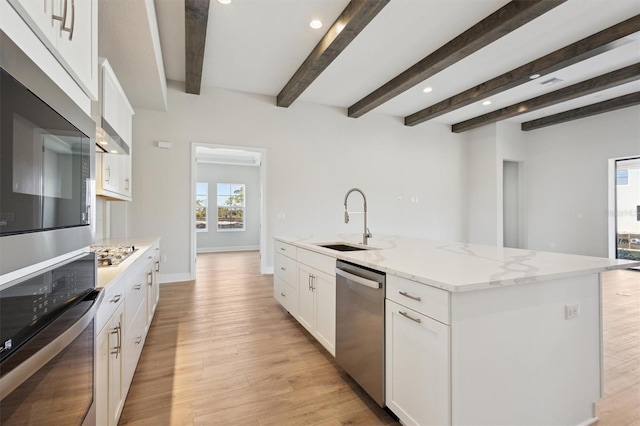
<point>571,311</point>
<point>163,258</point>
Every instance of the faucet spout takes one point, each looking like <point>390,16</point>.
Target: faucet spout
<point>366,234</point>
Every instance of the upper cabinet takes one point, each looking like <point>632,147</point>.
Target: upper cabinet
<point>69,30</point>
<point>114,116</point>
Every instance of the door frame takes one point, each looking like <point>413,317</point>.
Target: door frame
<point>611,205</point>
<point>263,201</point>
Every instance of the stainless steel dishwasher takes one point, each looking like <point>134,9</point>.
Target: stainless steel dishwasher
<point>360,326</point>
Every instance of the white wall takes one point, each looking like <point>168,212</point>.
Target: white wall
<point>489,147</point>
<point>567,180</point>
<point>212,240</point>
<point>315,154</point>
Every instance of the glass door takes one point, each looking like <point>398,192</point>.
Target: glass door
<point>627,205</point>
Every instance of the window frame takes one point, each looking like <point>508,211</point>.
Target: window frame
<point>205,207</point>
<point>242,207</point>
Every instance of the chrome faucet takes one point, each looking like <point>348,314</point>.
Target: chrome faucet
<point>366,234</point>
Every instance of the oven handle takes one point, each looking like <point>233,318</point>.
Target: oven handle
<point>14,378</point>
<point>357,279</point>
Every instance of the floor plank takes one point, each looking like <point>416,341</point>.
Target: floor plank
<point>221,351</point>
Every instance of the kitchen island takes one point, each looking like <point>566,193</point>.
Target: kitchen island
<point>499,336</point>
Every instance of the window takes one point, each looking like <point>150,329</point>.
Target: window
<point>622,177</point>
<point>202,206</point>
<point>231,206</point>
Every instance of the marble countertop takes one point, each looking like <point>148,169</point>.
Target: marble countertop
<point>457,267</point>
<point>107,274</point>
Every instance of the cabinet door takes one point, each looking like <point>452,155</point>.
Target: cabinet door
<point>108,171</point>
<point>102,375</point>
<point>417,367</point>
<point>151,291</point>
<point>79,48</point>
<point>116,364</point>
<point>324,288</point>
<point>38,15</point>
<point>305,298</point>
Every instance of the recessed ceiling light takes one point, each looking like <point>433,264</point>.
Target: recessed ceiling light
<point>224,1</point>
<point>427,89</point>
<point>534,76</point>
<point>113,151</point>
<point>485,103</point>
<point>315,24</point>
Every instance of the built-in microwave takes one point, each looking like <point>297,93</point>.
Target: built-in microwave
<point>46,166</point>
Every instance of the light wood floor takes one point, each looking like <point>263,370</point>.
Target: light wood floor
<point>221,351</point>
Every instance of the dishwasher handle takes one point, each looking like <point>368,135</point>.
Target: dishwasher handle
<point>357,279</point>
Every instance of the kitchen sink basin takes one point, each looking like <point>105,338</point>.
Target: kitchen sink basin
<point>344,247</point>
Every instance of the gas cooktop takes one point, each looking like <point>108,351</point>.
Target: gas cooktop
<point>112,255</point>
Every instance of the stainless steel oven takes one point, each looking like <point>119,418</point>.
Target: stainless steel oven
<point>46,166</point>
<point>47,347</point>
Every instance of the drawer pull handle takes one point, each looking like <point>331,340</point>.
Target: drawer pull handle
<point>404,314</point>
<point>138,287</point>
<point>282,294</point>
<point>138,340</point>
<point>283,249</point>
<point>405,294</point>
<point>283,268</point>
<point>116,298</point>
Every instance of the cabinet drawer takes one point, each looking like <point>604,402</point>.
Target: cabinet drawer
<point>113,297</point>
<point>286,295</point>
<point>321,262</point>
<point>285,268</point>
<point>286,249</point>
<point>430,301</point>
<point>135,294</point>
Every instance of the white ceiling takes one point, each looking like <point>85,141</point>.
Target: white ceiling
<point>256,45</point>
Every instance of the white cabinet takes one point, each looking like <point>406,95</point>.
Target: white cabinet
<point>110,385</point>
<point>317,304</point>
<point>114,115</point>
<point>153,287</point>
<point>123,321</point>
<point>69,29</point>
<point>417,366</point>
<point>285,281</point>
<point>114,176</point>
<point>304,283</point>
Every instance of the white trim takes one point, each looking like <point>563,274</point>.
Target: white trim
<point>174,278</point>
<point>225,249</point>
<point>588,422</point>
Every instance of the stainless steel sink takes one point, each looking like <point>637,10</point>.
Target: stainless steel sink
<point>344,247</point>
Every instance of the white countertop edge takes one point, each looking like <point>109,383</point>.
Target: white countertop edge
<point>311,244</point>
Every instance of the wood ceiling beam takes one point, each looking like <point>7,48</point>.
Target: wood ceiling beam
<point>500,23</point>
<point>196,16</point>
<point>586,48</point>
<point>603,82</point>
<point>586,111</point>
<point>344,30</point>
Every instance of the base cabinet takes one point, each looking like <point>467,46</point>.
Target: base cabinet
<point>417,367</point>
<point>110,390</point>
<point>317,305</point>
<point>123,321</point>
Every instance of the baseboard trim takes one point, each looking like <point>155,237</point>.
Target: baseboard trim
<point>174,278</point>
<point>224,249</point>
